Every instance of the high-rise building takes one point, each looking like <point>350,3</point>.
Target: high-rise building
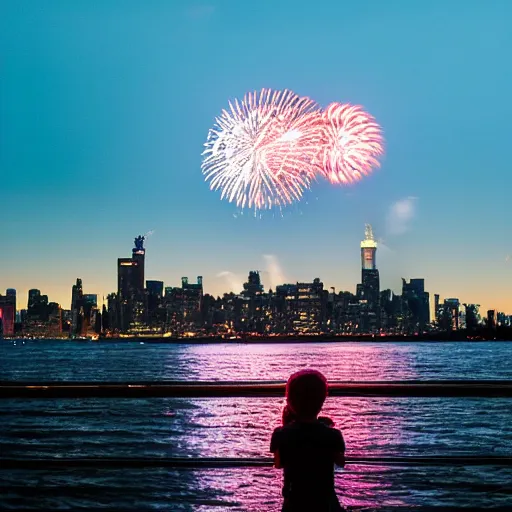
<point>130,286</point>
<point>76,308</point>
<point>7,314</point>
<point>127,276</point>
<point>76,294</point>
<point>369,291</point>
<point>301,307</point>
<point>416,305</point>
<point>11,293</point>
<point>139,255</point>
<point>183,305</point>
<point>33,297</point>
<point>368,250</point>
<point>155,312</point>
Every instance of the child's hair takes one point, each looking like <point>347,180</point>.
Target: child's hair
<point>288,415</point>
<point>306,391</point>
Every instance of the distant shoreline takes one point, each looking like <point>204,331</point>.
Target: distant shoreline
<point>444,337</point>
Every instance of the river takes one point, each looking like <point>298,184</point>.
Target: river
<point>242,427</point>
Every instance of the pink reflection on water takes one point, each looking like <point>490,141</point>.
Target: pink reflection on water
<point>240,427</point>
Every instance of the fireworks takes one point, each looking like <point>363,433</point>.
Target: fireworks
<point>259,153</point>
<point>352,141</point>
<point>267,149</point>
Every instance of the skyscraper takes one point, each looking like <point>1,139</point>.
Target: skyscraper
<point>130,285</point>
<point>76,294</point>
<point>33,297</point>
<point>11,294</point>
<point>7,314</point>
<point>368,250</point>
<point>369,291</point>
<point>139,255</point>
<point>76,308</point>
<point>416,305</point>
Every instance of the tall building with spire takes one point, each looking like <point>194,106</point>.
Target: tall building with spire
<point>368,250</point>
<point>369,291</point>
<point>130,286</point>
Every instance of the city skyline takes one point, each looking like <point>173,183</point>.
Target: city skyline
<point>368,266</point>
<point>104,112</point>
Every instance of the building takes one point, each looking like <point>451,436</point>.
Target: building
<point>7,313</point>
<point>253,285</point>
<point>301,307</point>
<point>492,319</point>
<point>53,327</point>
<point>391,316</point>
<point>77,312</point>
<point>368,292</point>
<point>448,314</point>
<point>155,311</point>
<point>11,293</point>
<point>183,306</point>
<point>33,297</point>
<point>130,287</point>
<point>139,255</point>
<point>473,318</point>
<point>416,305</point>
<point>43,319</point>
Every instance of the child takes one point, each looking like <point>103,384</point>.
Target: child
<point>306,448</point>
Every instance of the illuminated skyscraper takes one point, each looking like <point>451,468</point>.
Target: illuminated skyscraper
<point>368,250</point>
<point>369,291</point>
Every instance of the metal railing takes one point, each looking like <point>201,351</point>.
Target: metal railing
<point>230,462</point>
<point>257,389</point>
<point>197,389</point>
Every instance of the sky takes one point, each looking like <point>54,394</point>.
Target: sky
<point>105,107</point>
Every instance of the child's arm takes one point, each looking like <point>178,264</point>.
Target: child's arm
<point>277,460</point>
<point>339,459</point>
<point>274,448</point>
<point>339,450</point>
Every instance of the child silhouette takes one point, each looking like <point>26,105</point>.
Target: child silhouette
<point>306,447</point>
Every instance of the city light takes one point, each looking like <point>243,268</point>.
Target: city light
<point>148,309</point>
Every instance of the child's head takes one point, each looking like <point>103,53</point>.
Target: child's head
<point>306,391</point>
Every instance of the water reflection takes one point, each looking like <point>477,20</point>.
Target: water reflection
<point>242,427</point>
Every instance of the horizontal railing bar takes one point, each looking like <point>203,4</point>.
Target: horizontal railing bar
<point>483,382</point>
<point>192,463</point>
<point>487,389</point>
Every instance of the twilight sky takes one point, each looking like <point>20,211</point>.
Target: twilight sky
<point>105,105</point>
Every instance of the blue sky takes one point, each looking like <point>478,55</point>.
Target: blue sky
<point>105,105</point>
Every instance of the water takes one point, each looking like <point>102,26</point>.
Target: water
<point>242,427</point>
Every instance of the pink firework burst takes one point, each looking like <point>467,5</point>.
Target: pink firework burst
<point>261,152</point>
<point>351,143</point>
